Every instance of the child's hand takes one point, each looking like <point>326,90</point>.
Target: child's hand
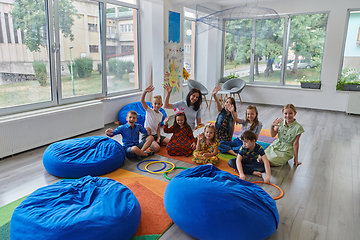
<point>242,176</point>
<point>201,136</point>
<point>168,88</point>
<point>148,130</point>
<point>149,88</point>
<point>206,155</point>
<point>215,90</point>
<point>231,108</point>
<point>166,120</point>
<point>297,163</point>
<point>267,179</point>
<point>158,140</point>
<point>276,122</point>
<point>193,146</point>
<point>109,132</point>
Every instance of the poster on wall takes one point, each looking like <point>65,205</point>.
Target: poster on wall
<point>174,27</point>
<point>173,60</point>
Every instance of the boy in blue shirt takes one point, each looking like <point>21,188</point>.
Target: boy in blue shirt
<point>246,161</point>
<point>130,137</point>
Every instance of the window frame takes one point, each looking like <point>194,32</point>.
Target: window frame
<point>286,38</point>
<point>54,58</point>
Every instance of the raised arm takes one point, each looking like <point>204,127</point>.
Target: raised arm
<point>214,92</point>
<point>148,89</point>
<point>296,150</point>
<point>274,128</point>
<point>168,89</point>
<point>234,114</point>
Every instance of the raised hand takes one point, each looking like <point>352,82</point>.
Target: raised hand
<point>276,122</point>
<point>201,136</point>
<point>168,88</point>
<point>166,120</point>
<point>231,108</point>
<point>149,88</point>
<point>215,90</point>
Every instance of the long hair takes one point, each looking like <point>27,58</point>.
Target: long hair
<point>232,101</point>
<point>256,120</point>
<point>197,104</point>
<point>213,128</point>
<point>176,126</point>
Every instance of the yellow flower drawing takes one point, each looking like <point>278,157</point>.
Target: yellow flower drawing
<point>173,76</point>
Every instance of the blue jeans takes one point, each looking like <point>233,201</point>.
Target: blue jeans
<point>248,167</point>
<point>130,154</point>
<point>226,146</point>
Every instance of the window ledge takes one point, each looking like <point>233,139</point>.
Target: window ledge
<point>282,87</point>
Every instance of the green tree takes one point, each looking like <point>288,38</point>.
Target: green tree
<point>30,17</point>
<point>307,36</point>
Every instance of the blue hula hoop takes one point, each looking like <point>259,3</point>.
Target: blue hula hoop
<point>150,161</point>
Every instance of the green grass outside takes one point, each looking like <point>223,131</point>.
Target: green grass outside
<point>235,65</point>
<point>28,92</point>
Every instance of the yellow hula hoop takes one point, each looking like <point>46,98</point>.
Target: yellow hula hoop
<point>170,169</point>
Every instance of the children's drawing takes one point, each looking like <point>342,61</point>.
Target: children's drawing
<point>173,66</point>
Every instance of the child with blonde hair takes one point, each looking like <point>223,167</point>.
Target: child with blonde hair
<point>251,122</point>
<point>207,147</point>
<point>153,120</point>
<point>286,146</point>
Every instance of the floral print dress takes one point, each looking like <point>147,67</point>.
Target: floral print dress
<point>205,148</point>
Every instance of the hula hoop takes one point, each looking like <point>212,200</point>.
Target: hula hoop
<point>149,161</point>
<point>168,178</point>
<point>281,191</point>
<point>170,169</point>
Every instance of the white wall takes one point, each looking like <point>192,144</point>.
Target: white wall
<point>327,97</point>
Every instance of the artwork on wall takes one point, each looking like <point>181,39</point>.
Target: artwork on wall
<point>174,27</point>
<point>173,60</point>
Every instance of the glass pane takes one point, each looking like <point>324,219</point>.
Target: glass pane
<point>351,62</point>
<point>80,48</point>
<point>268,53</point>
<point>24,60</point>
<point>189,47</point>
<point>121,48</point>
<point>306,47</point>
<point>237,51</point>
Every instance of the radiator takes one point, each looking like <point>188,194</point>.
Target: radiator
<point>353,105</point>
<point>26,131</point>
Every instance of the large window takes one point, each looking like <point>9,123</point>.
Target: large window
<point>350,72</point>
<point>260,60</point>
<point>52,52</point>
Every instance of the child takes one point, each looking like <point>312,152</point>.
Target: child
<point>225,122</point>
<point>251,123</point>
<point>246,161</point>
<point>153,120</point>
<point>182,141</point>
<point>130,137</point>
<point>286,145</point>
<point>207,147</point>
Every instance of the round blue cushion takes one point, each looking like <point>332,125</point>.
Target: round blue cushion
<point>208,203</point>
<point>137,107</point>
<point>86,208</point>
<point>79,157</point>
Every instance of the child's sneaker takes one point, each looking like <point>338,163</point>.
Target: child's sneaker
<point>150,153</point>
<point>138,157</point>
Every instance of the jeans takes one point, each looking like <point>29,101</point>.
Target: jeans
<point>248,167</point>
<point>130,154</point>
<point>226,146</point>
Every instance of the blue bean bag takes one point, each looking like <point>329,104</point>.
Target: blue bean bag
<point>79,157</point>
<point>137,107</point>
<point>208,203</point>
<point>86,208</point>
